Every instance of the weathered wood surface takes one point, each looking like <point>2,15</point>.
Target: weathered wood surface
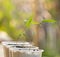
<point>1,51</point>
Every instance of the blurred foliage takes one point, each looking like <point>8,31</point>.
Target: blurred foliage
<point>50,53</point>
<point>8,22</point>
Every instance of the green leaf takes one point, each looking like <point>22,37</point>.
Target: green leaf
<point>29,22</point>
<point>49,21</point>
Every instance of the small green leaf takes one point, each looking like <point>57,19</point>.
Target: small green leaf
<point>49,21</point>
<point>28,22</point>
